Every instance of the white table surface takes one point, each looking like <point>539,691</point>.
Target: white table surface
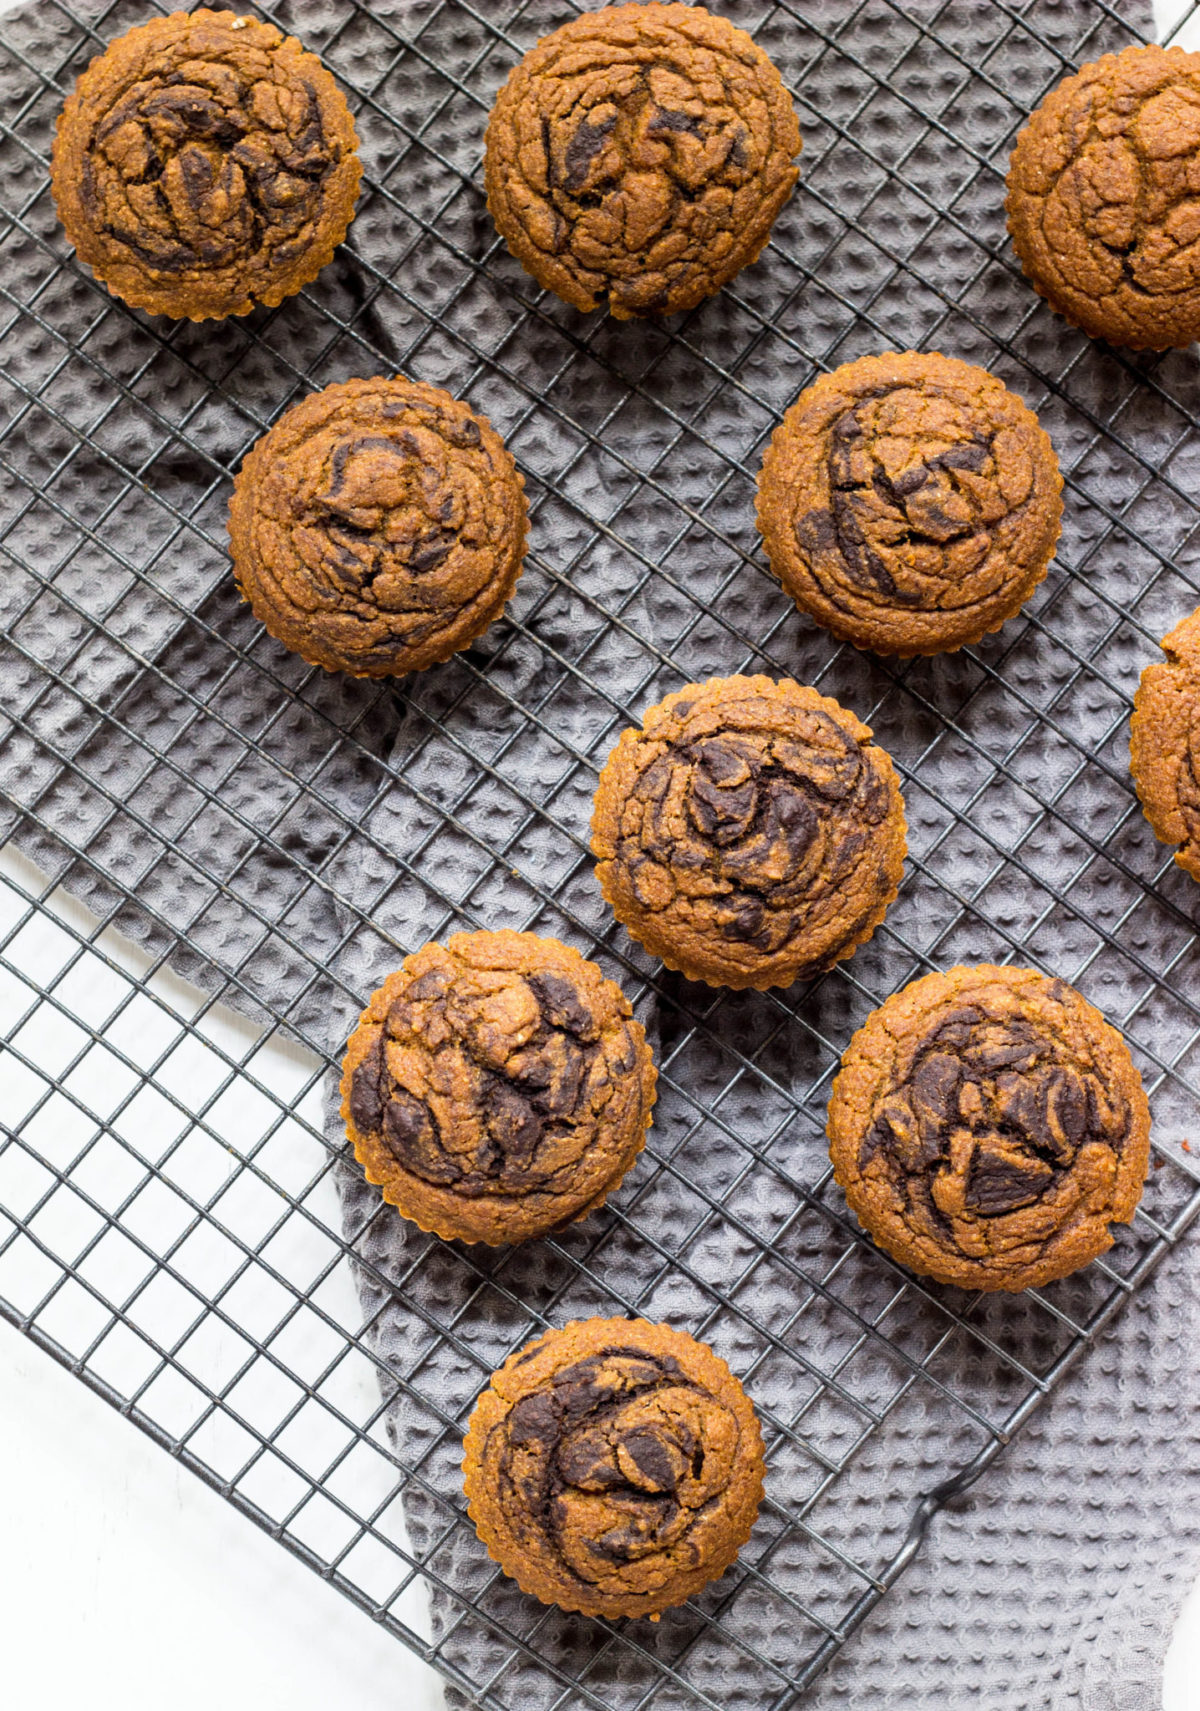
<point>112,1551</point>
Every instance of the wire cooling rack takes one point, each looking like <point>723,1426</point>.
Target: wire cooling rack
<point>173,778</point>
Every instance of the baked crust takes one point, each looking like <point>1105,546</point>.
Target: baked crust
<point>1164,743</point>
<point>378,527</point>
<point>909,502</point>
<point>749,833</point>
<point>988,1126</point>
<point>204,165</point>
<point>1101,198</point>
<point>638,157</point>
<point>613,1467</point>
<point>497,1087</point>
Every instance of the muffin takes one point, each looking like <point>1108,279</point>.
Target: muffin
<point>378,527</point>
<point>497,1087</point>
<point>613,1467</point>
<point>909,502</point>
<point>750,833</point>
<point>1102,197</point>
<point>1164,746</point>
<point>205,164</point>
<point>638,157</point>
<point>987,1126</point>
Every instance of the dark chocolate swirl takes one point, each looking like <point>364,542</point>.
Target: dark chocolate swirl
<point>640,154</point>
<point>622,1479</point>
<point>988,1125</point>
<point>749,833</point>
<point>1102,197</point>
<point>378,527</point>
<point>202,160</point>
<point>497,1086</point>
<point>909,502</point>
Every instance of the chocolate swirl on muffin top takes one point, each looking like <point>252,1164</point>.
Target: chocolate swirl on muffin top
<point>614,1467</point>
<point>378,527</point>
<point>909,502</point>
<point>204,164</point>
<point>987,1126</point>
<point>750,834</point>
<point>640,154</point>
<point>497,1086</point>
<point>1102,197</point>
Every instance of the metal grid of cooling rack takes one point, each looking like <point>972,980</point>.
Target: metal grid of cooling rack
<point>283,839</point>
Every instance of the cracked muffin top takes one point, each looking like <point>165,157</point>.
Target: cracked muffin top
<point>1102,198</point>
<point>378,527</point>
<point>638,157</point>
<point>613,1467</point>
<point>497,1087</point>
<point>205,164</point>
<point>750,833</point>
<point>1164,746</point>
<point>987,1126</point>
<point>909,502</point>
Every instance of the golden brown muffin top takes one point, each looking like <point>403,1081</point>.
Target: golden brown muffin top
<point>1165,743</point>
<point>910,502</point>
<point>987,1126</point>
<point>614,1467</point>
<point>378,527</point>
<point>497,1086</point>
<point>639,155</point>
<point>205,164</point>
<point>1102,197</point>
<point>750,833</point>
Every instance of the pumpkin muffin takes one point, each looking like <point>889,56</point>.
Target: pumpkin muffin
<point>614,1467</point>
<point>1164,745</point>
<point>750,833</point>
<point>638,157</point>
<point>497,1087</point>
<point>909,502</point>
<point>205,164</point>
<point>988,1126</point>
<point>1102,198</point>
<point>378,527</point>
